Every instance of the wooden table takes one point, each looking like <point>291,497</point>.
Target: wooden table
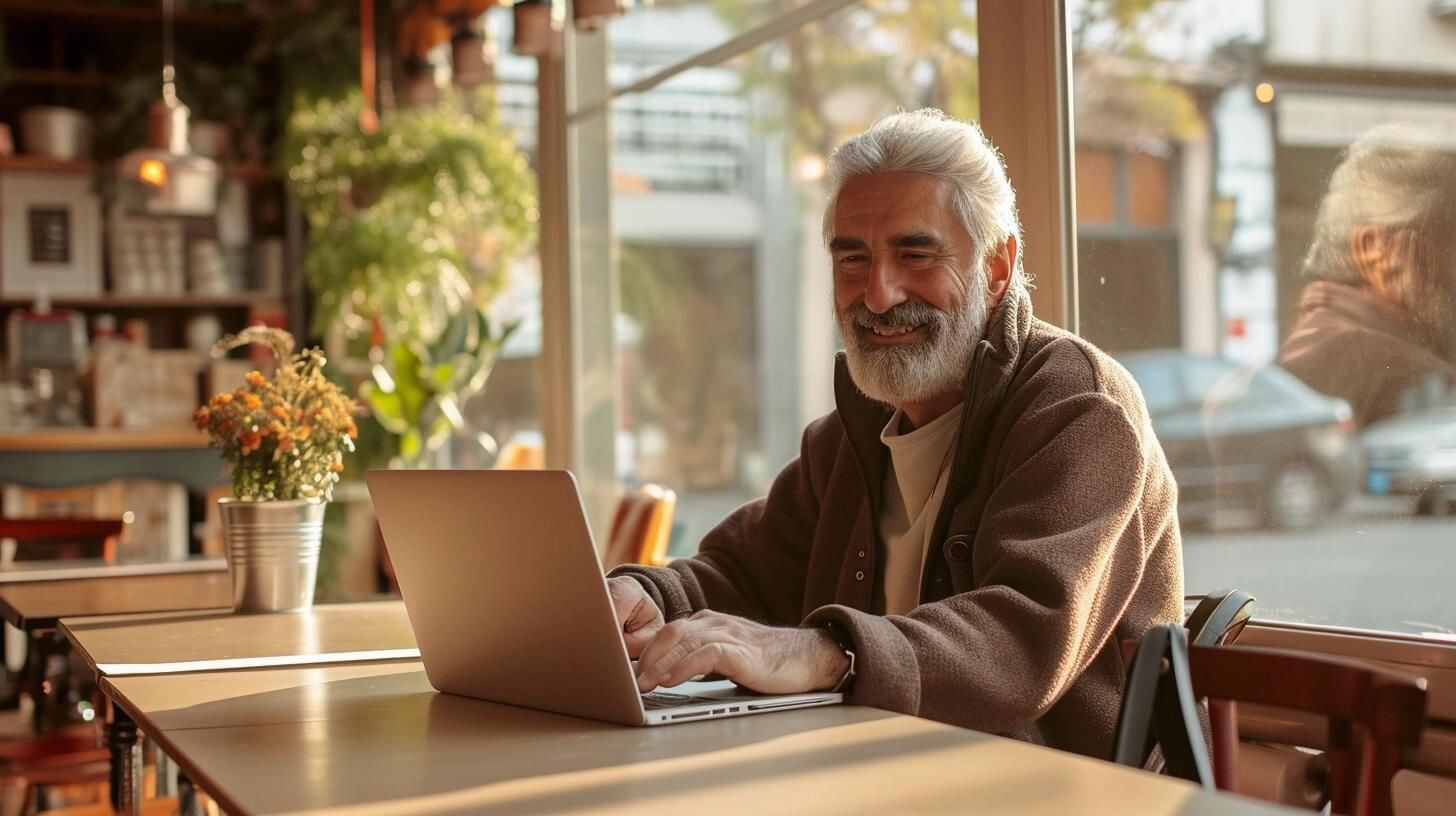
<point>21,572</point>
<point>218,640</point>
<point>375,739</point>
<point>39,605</point>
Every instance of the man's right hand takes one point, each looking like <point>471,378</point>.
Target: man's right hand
<point>639,616</point>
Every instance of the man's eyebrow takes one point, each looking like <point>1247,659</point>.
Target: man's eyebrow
<point>913,240</point>
<point>841,243</point>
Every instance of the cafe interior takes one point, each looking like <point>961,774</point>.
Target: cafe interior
<point>340,335</point>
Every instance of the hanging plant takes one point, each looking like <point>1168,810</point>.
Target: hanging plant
<point>410,224</point>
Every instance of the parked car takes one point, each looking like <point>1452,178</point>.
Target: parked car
<point>1414,455</point>
<point>1251,439</point>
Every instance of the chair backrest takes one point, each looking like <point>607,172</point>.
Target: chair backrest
<point>106,531</point>
<point>1374,715</point>
<point>1219,618</point>
<point>641,527</point>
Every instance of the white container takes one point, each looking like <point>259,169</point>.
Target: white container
<point>57,133</point>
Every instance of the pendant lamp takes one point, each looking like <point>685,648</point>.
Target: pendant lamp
<point>166,177</point>
<point>591,15</point>
<point>532,34</point>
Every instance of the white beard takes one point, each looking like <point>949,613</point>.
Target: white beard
<point>915,372</point>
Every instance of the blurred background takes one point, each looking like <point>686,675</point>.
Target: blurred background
<point>397,220</point>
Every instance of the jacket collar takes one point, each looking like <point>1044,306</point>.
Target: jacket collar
<point>992,368</point>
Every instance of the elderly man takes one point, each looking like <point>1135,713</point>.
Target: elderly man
<point>984,517</point>
<point>1377,326</point>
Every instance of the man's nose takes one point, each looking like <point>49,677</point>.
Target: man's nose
<point>883,290</point>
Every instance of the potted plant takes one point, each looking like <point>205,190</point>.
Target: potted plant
<point>418,390</point>
<point>284,438</point>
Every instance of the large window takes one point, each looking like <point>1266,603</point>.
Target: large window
<point>1264,204</point>
<point>725,331</point>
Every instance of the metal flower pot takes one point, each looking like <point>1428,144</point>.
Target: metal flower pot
<point>272,552</point>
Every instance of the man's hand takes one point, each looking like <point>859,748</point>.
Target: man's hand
<point>763,658</point>
<point>640,618</point>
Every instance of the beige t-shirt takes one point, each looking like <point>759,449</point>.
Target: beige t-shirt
<point>915,485</point>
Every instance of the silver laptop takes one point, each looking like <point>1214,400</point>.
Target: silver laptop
<point>506,597</point>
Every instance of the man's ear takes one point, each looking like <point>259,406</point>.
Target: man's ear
<point>1000,265</point>
<point>1372,250</point>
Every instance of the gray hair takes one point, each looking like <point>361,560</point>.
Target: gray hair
<point>1396,177</point>
<point>930,142</point>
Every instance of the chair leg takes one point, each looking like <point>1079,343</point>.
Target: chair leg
<point>1223,724</point>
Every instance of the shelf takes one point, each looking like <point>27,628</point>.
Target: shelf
<point>45,164</point>
<point>102,14</point>
<point>100,439</point>
<point>64,79</point>
<point>244,299</point>
<point>251,172</point>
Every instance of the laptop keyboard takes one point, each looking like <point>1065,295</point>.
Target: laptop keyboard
<point>653,700</point>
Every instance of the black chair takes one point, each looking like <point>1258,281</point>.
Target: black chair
<point>1217,620</point>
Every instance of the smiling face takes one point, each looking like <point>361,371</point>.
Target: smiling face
<point>911,292</point>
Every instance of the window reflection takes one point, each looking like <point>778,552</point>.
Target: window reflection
<point>1265,228</point>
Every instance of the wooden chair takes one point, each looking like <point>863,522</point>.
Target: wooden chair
<point>108,531</point>
<point>57,753</point>
<point>641,528</point>
<point>1374,715</point>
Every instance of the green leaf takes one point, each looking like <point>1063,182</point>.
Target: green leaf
<point>409,446</point>
<point>440,431</point>
<point>386,406</point>
<point>443,375</point>
<point>454,339</point>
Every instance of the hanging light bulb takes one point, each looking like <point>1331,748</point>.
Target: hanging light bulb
<point>532,32</point>
<point>472,56</point>
<point>591,15</point>
<point>420,88</point>
<point>166,177</point>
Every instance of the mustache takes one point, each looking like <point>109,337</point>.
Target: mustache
<point>908,314</point>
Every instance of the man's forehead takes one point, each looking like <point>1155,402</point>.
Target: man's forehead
<point>897,202</point>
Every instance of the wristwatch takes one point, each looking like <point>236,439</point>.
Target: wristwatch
<point>846,644</point>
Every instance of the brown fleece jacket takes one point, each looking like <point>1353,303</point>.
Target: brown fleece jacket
<point>1058,540</point>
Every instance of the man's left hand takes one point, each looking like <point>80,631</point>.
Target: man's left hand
<point>767,659</point>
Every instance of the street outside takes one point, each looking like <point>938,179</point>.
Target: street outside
<point>1372,566</point>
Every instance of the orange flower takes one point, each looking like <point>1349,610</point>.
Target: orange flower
<point>353,430</point>
<point>200,418</point>
<point>279,411</point>
<point>252,402</point>
<point>303,431</point>
<point>256,379</point>
<point>336,466</point>
<point>250,442</point>
<point>285,443</point>
<point>219,400</point>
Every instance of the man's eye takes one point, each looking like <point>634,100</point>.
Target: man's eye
<point>918,257</point>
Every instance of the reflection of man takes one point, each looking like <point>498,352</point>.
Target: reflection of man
<point>1377,323</point>
<point>982,520</point>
